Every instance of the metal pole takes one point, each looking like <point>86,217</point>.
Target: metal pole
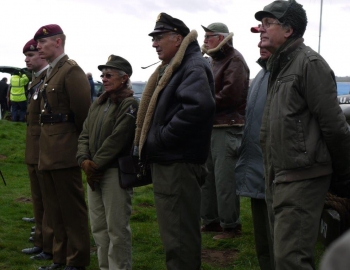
<point>319,39</point>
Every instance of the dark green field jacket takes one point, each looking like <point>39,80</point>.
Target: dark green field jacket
<point>304,133</point>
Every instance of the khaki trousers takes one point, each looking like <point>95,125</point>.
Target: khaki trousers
<point>177,197</point>
<point>110,211</point>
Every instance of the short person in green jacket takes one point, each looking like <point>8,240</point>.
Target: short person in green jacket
<point>108,133</point>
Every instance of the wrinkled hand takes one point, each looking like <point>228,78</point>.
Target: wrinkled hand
<point>89,167</point>
<point>94,179</point>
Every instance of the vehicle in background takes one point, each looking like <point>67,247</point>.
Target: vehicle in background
<point>137,87</point>
<point>343,88</point>
<point>10,70</point>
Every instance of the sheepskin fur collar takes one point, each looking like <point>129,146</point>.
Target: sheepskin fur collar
<point>150,94</point>
<point>116,97</point>
<point>220,48</point>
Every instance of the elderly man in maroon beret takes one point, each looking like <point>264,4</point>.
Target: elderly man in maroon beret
<point>64,107</point>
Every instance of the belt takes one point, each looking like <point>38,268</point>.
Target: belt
<point>55,118</point>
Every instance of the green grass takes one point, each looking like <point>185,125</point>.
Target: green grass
<point>148,251</point>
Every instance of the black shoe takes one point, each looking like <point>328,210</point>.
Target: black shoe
<point>43,256</point>
<point>32,233</point>
<point>27,219</point>
<point>33,229</point>
<point>52,266</point>
<point>32,250</point>
<point>31,239</point>
<point>74,268</point>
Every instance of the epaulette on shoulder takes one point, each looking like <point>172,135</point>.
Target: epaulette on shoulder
<point>310,54</point>
<point>72,62</point>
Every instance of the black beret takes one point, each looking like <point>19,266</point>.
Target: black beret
<point>166,23</point>
<point>119,63</point>
<point>48,31</point>
<point>30,46</point>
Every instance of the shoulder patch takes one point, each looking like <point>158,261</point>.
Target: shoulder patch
<point>72,62</point>
<point>132,111</point>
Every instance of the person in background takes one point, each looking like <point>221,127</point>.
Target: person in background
<point>17,94</point>
<point>249,169</point>
<point>304,135</point>
<point>174,123</point>
<point>108,133</point>
<point>43,237</point>
<point>220,206</point>
<point>3,96</point>
<point>64,106</point>
<point>92,86</point>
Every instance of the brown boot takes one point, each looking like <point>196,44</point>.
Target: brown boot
<point>211,227</point>
<point>229,233</point>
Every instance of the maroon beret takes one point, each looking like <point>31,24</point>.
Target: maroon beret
<point>48,31</point>
<point>30,46</point>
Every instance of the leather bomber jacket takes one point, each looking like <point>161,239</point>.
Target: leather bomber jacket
<point>231,75</point>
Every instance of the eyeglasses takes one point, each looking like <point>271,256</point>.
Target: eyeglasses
<point>209,36</point>
<point>266,24</point>
<point>107,75</point>
<point>158,38</point>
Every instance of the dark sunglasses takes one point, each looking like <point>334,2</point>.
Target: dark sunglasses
<point>107,75</point>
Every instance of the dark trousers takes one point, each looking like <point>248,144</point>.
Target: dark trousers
<point>3,104</point>
<point>294,216</point>
<point>68,216</point>
<point>177,196</point>
<point>43,231</point>
<point>262,234</point>
<point>18,111</point>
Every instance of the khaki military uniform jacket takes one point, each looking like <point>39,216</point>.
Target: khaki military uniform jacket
<point>68,92</point>
<point>33,125</point>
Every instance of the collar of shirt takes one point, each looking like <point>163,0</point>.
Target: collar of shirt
<point>37,74</point>
<point>54,62</point>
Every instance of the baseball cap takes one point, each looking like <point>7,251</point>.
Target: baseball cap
<point>276,9</point>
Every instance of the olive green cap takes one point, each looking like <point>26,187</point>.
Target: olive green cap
<point>117,62</point>
<point>216,27</point>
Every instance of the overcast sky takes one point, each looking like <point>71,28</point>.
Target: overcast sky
<point>97,28</point>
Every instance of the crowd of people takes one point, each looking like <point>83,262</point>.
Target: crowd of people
<point>207,135</point>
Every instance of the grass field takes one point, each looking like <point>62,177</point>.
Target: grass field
<point>15,203</point>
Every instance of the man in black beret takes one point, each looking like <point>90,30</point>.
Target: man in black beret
<point>174,123</point>
<point>304,135</point>
<point>64,107</point>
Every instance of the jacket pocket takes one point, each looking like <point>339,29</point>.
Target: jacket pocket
<point>53,92</point>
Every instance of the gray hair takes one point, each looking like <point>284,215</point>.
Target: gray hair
<point>128,82</point>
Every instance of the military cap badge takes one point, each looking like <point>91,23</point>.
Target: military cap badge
<point>45,31</point>
<point>32,48</point>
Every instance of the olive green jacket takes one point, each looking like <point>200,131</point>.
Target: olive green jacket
<point>304,133</point>
<point>108,131</point>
